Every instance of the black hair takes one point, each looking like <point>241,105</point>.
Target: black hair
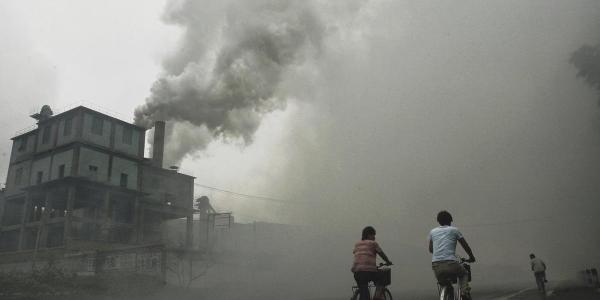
<point>369,230</point>
<point>444,218</point>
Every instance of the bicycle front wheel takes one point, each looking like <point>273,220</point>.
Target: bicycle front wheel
<point>387,295</point>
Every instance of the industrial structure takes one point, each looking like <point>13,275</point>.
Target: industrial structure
<point>79,184</point>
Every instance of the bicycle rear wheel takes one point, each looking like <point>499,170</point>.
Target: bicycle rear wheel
<point>447,293</point>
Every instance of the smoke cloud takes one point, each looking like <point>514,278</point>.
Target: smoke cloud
<point>220,85</point>
<point>418,107</point>
<point>587,61</point>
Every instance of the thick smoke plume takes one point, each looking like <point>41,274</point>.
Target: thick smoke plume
<point>587,61</point>
<point>221,85</point>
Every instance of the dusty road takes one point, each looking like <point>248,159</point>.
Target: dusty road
<point>562,292</point>
<point>559,293</point>
<point>431,295</point>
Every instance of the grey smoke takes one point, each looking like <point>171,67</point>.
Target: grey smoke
<point>587,61</point>
<point>225,92</point>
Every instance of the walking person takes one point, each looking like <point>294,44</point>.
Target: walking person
<point>539,271</point>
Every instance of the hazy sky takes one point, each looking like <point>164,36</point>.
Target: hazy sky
<point>409,108</point>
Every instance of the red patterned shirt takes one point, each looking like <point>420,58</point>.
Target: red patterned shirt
<point>365,254</point>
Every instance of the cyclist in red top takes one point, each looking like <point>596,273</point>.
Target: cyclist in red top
<point>365,265</point>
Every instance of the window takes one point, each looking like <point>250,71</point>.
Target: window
<point>68,126</point>
<point>91,264</point>
<point>40,177</point>
<point>97,125</point>
<point>127,135</point>
<point>46,135</point>
<point>93,171</point>
<point>22,144</point>
<point>61,171</point>
<point>18,176</point>
<point>123,180</point>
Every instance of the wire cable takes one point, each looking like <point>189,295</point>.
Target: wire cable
<point>271,199</point>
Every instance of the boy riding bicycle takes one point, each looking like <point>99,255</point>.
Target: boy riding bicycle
<point>442,246</point>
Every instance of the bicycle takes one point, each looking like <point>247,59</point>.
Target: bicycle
<point>446,288</point>
<point>384,278</point>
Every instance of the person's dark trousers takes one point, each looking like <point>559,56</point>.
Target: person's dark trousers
<point>362,280</point>
<point>540,278</point>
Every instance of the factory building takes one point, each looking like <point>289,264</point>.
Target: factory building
<point>79,182</point>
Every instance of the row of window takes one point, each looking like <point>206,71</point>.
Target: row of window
<point>66,130</point>
<point>40,175</point>
<point>61,174</point>
<point>94,175</point>
<point>97,128</point>
<point>46,131</point>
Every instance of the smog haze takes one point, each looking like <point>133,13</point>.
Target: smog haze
<point>332,115</point>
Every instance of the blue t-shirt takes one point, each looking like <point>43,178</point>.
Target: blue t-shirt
<point>444,242</point>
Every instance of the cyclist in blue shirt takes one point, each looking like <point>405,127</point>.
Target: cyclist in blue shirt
<point>442,246</point>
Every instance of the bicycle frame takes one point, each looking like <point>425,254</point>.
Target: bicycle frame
<point>387,294</point>
<point>371,289</point>
<point>447,291</point>
<point>384,290</point>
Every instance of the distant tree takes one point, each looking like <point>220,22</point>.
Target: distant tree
<point>587,61</point>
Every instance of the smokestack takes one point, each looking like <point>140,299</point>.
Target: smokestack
<point>158,148</point>
<point>227,100</point>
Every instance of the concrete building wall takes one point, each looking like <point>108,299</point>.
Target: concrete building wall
<point>23,147</point>
<point>61,159</point>
<point>46,136</point>
<point>40,166</point>
<point>102,139</point>
<point>127,167</point>
<point>141,260</point>
<point>93,164</point>
<point>163,185</point>
<point>126,143</point>
<point>12,186</point>
<point>66,133</point>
